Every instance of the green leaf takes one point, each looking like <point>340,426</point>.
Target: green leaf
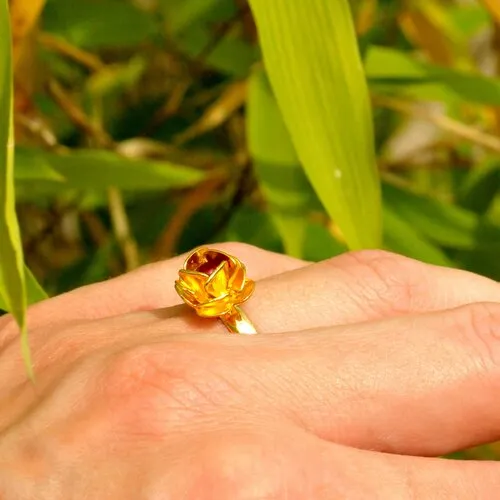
<point>471,18</point>
<point>113,78</point>
<point>232,56</point>
<point>320,244</point>
<point>253,226</point>
<point>279,172</point>
<point>401,237</point>
<point>482,261</point>
<point>180,15</point>
<point>35,292</point>
<point>191,23</point>
<point>28,166</point>
<point>314,67</point>
<point>93,24</point>
<point>384,65</point>
<point>11,252</point>
<point>442,223</point>
<point>480,187</point>
<point>97,170</point>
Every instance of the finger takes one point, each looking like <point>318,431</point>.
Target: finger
<point>149,287</point>
<point>353,287</point>
<point>425,385</point>
<point>361,286</point>
<point>358,474</point>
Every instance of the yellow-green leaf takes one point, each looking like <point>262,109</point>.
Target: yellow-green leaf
<point>279,172</point>
<point>391,66</point>
<point>401,237</point>
<point>99,169</point>
<point>442,223</point>
<point>314,66</point>
<point>11,254</point>
<point>34,291</point>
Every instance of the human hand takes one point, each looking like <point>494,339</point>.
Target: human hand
<point>368,365</point>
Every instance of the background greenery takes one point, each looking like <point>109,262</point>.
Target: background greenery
<point>147,127</point>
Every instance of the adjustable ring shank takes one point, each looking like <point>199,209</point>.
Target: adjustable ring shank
<point>237,322</point>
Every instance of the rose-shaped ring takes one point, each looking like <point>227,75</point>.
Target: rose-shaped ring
<point>214,284</point>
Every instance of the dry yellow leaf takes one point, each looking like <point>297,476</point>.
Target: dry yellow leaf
<point>365,16</point>
<point>426,35</point>
<point>494,8</point>
<point>24,15</point>
<point>232,98</point>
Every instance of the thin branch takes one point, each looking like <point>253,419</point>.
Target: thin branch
<point>444,122</point>
<point>56,44</point>
<point>77,115</point>
<point>98,136</point>
<point>36,126</point>
<point>193,201</point>
<point>121,228</point>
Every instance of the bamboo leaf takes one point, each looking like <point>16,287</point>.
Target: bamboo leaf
<point>442,223</point>
<point>281,177</point>
<point>99,169</point>
<point>11,253</point>
<point>190,23</point>
<point>98,23</point>
<point>386,65</point>
<point>480,187</point>
<point>320,243</point>
<point>401,237</point>
<point>253,226</point>
<point>34,291</point>
<point>180,15</point>
<point>314,67</point>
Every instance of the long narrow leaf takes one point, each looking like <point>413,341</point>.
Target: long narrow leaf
<point>442,223</point>
<point>34,291</point>
<point>96,169</point>
<point>312,59</point>
<point>11,254</point>
<point>400,236</point>
<point>281,177</point>
<point>387,65</point>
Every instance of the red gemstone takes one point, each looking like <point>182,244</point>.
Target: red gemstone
<point>211,264</point>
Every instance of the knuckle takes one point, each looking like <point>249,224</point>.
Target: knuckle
<point>388,282</point>
<point>480,323</point>
<point>147,384</point>
<point>156,386</point>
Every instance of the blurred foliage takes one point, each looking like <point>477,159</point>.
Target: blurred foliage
<point>147,127</point>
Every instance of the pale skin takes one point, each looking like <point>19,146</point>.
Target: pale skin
<point>369,367</point>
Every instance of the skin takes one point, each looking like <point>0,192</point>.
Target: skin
<point>369,367</point>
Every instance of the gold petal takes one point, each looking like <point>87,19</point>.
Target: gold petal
<point>186,295</point>
<point>216,285</point>
<point>234,262</point>
<point>237,278</point>
<point>216,307</point>
<point>195,283</point>
<point>245,294</point>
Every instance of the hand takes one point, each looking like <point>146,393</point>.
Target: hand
<point>368,365</point>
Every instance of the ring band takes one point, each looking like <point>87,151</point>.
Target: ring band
<point>214,284</point>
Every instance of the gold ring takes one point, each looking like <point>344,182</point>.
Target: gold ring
<point>214,284</point>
